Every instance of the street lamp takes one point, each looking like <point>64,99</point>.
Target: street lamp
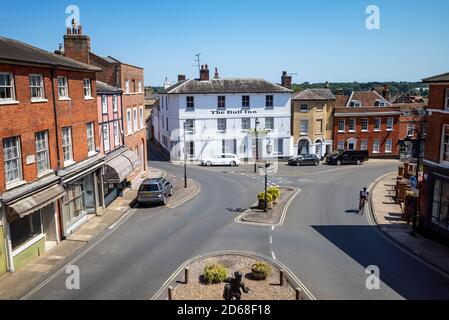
<point>257,145</point>
<point>419,128</point>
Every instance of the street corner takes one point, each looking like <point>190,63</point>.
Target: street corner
<point>212,276</point>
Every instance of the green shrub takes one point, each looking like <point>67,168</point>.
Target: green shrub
<point>275,192</point>
<point>262,267</point>
<point>262,196</point>
<point>215,273</point>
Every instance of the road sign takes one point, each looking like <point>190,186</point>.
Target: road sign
<point>413,182</point>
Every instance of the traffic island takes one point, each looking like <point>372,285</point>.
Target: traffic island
<point>274,215</point>
<point>206,277</point>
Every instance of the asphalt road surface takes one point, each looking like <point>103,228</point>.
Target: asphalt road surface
<point>322,241</point>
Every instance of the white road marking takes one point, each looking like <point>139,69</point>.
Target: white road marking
<point>271,239</point>
<point>272,227</point>
<point>272,254</point>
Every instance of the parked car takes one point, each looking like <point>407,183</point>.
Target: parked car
<point>347,157</point>
<point>304,159</point>
<point>154,191</point>
<point>224,159</point>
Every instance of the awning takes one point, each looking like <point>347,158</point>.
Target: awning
<point>132,156</point>
<point>34,202</point>
<point>118,169</point>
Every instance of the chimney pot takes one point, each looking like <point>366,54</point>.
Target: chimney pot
<point>204,73</point>
<point>181,77</point>
<point>286,80</point>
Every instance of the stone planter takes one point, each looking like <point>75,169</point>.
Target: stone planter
<point>258,275</point>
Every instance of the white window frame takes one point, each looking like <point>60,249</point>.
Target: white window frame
<point>304,108</point>
<point>301,131</point>
<point>139,86</point>
<point>268,104</point>
<point>127,86</point>
<point>135,123</point>
<point>272,123</point>
<point>376,150</point>
<point>190,103</point>
<point>141,117</point>
<point>341,121</point>
<point>389,145</point>
<point>390,124</point>
<point>444,145</point>
<point>244,106</point>
<point>189,126</point>
<point>87,89</point>
<point>129,121</point>
<point>248,121</point>
<point>64,87</point>
<point>367,124</point>
<point>42,149</point>
<point>105,135</point>
<point>221,125</point>
<point>11,87</point>
<point>380,124</point>
<point>90,132</point>
<point>355,104</point>
<point>104,104</point>
<point>380,103</point>
<point>410,129</point>
<point>114,103</point>
<point>116,134</point>
<point>364,144</point>
<point>17,158</point>
<point>67,143</point>
<point>340,145</point>
<point>39,88</point>
<point>221,102</point>
<point>354,124</point>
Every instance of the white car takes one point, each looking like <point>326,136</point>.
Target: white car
<point>224,159</point>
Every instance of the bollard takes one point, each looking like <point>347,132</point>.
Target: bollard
<point>281,277</point>
<point>186,275</point>
<point>170,293</point>
<point>298,294</point>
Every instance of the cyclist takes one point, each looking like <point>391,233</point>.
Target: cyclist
<point>363,198</point>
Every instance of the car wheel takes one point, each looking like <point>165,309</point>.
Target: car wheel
<point>298,164</point>
<point>208,164</point>
<point>233,164</point>
<point>171,192</point>
<point>338,163</point>
<point>316,163</point>
<point>164,200</point>
<point>359,162</point>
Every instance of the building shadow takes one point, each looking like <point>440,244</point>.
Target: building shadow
<point>409,277</point>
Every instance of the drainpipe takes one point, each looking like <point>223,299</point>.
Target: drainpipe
<point>55,115</point>
<point>123,115</point>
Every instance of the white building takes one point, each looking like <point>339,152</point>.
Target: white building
<point>220,116</point>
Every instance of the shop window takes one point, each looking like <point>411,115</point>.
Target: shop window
<point>440,204</point>
<point>25,229</point>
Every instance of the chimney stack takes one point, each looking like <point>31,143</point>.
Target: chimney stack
<point>204,73</point>
<point>340,92</point>
<point>181,77</point>
<point>216,76</point>
<point>77,45</point>
<point>386,92</point>
<point>286,80</point>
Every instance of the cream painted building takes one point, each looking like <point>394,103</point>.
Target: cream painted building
<point>312,122</point>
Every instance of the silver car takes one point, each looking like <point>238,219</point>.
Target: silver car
<point>154,191</point>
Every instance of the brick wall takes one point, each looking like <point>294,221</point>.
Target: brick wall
<point>109,70</point>
<point>371,135</point>
<point>77,47</point>
<point>26,118</point>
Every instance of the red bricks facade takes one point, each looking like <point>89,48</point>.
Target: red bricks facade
<point>25,118</point>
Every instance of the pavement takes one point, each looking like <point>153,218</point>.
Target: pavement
<point>12,284</point>
<point>387,214</point>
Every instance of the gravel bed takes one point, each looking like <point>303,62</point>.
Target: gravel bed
<point>268,289</point>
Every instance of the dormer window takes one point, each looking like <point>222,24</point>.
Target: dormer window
<point>355,104</point>
<point>380,103</point>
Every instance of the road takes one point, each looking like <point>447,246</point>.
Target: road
<point>322,241</point>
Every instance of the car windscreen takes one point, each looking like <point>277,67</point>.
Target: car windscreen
<point>149,187</point>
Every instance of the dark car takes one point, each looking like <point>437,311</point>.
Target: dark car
<point>347,157</point>
<point>304,159</point>
<point>154,191</point>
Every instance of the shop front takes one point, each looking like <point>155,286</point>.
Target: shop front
<point>82,198</point>
<point>31,224</point>
<point>118,167</point>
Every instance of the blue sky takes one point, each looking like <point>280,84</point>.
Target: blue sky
<point>318,40</point>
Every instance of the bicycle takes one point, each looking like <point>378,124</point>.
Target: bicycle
<point>362,204</point>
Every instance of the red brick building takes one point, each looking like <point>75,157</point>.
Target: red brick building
<point>435,195</point>
<point>128,78</point>
<point>408,138</point>
<point>48,148</point>
<point>365,120</point>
